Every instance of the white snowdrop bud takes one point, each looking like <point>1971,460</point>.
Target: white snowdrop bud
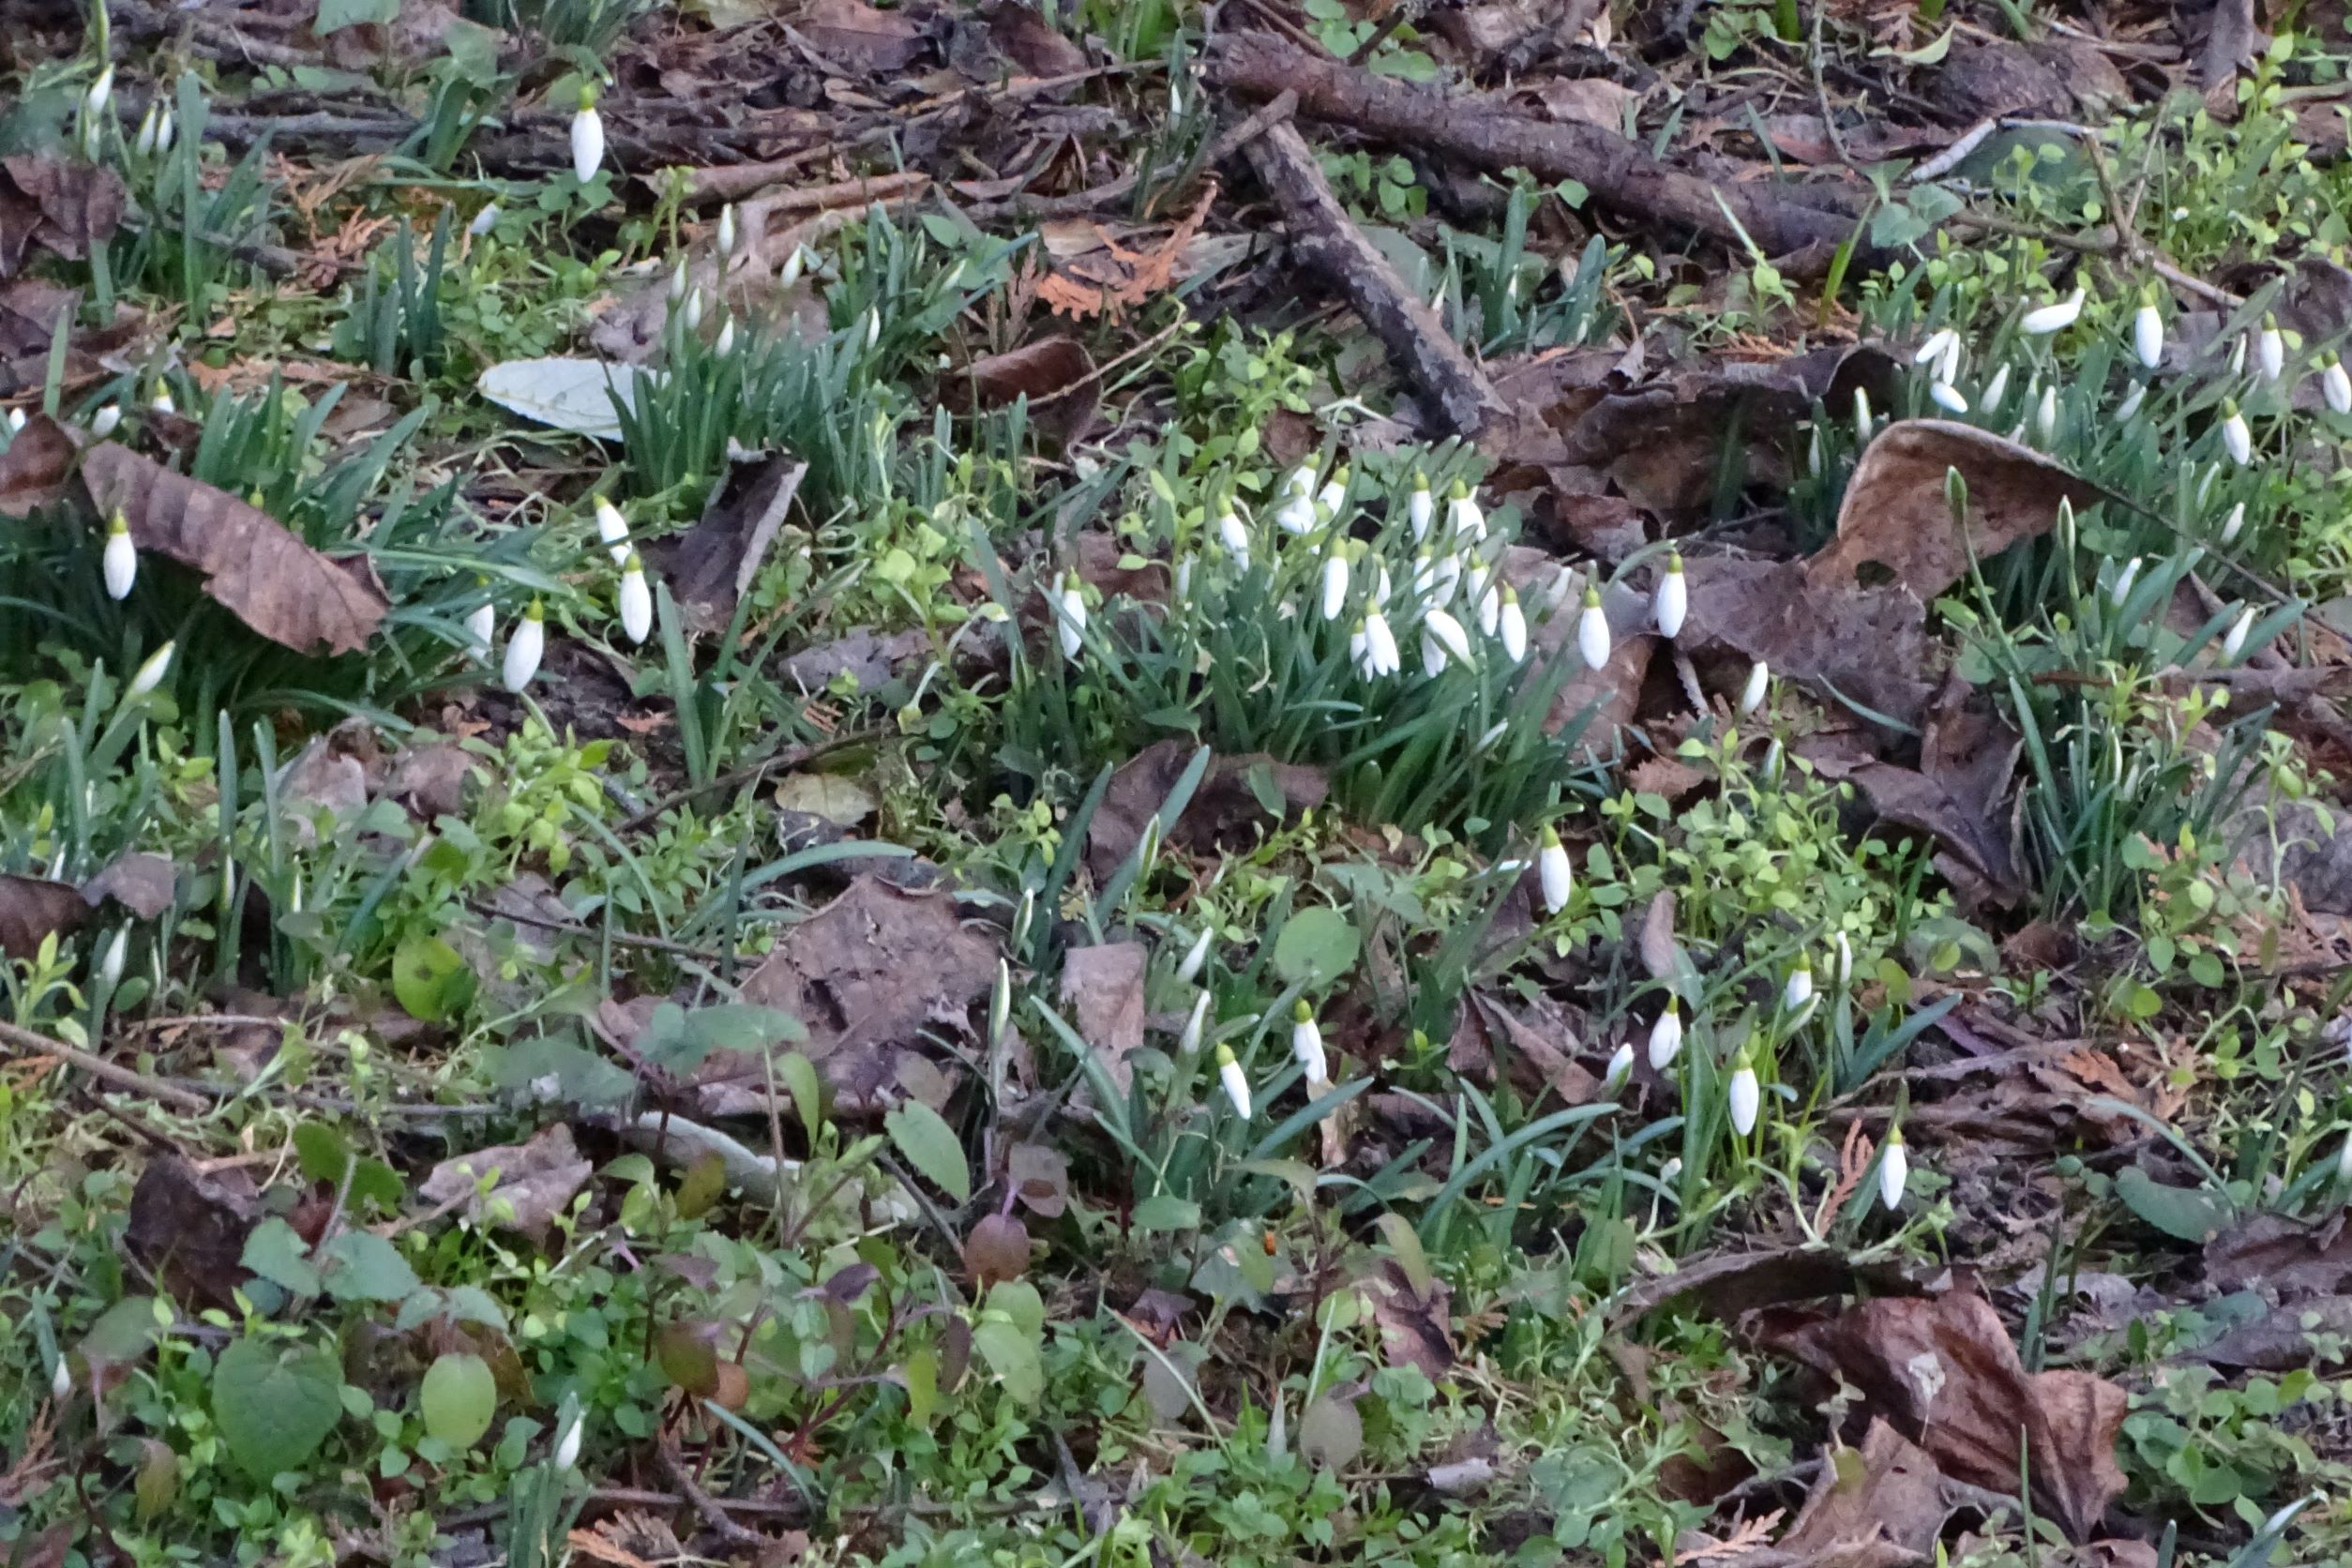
<point>1746,1096</point>
<point>1938,342</point>
<point>1620,1067</point>
<point>1463,516</point>
<point>2270,349</point>
<point>1948,398</point>
<point>111,958</point>
<point>1673,599</point>
<point>2235,643</point>
<point>1306,1045</point>
<point>144,143</point>
<point>1494,732</point>
<point>1488,600</point>
<point>2336,387</point>
<point>1297,514</point>
<point>101,92</point>
<point>16,421</point>
<point>1334,492</point>
<point>166,132</point>
<point>636,600</point>
<point>1381,655</point>
<point>1554,871</point>
<point>678,282</point>
<point>1840,959</point>
<point>1335,584</point>
<point>119,562</point>
<point>1862,417</point>
<point>1752,694</point>
<point>613,529</point>
<point>727,231</point>
<point>1592,631</point>
<point>480,627</point>
<point>106,421</point>
<point>1995,389</point>
<point>1796,992</point>
<point>2053,317</point>
<point>150,674</point>
<point>1513,627</point>
<point>2236,440</point>
<point>483,221</point>
<point>1665,1037</point>
<point>725,347</point>
<point>61,1380</point>
<point>1234,537</point>
<point>2123,581</point>
<point>794,265</point>
<point>525,647</point>
<point>587,136</point>
<point>2148,330</point>
<point>873,328</point>
<point>2234,523</point>
<point>1442,641</point>
<point>1236,1085</point>
<point>567,1436</point>
<point>2045,415</point>
<point>161,402</point>
<point>1195,1025</point>
<point>1197,955</point>
<point>1422,508</point>
<point>1895,1170</point>
<point>1072,605</point>
<point>2129,409</point>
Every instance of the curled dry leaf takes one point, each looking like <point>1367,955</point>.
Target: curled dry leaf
<point>1103,987</point>
<point>1941,1369</point>
<point>30,310</point>
<point>253,565</point>
<point>2283,1257</point>
<point>141,883</point>
<point>1880,1505</point>
<point>860,37</point>
<point>64,208</point>
<point>1056,374</point>
<point>530,1183</point>
<point>1237,799</point>
<point>711,565</point>
<point>33,908</point>
<point>35,468</point>
<point>997,1248</point>
<point>1895,518</point>
<point>190,1227</point>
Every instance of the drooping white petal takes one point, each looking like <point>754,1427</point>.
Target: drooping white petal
<point>637,602</point>
<point>1746,1099</point>
<point>1236,1085</point>
<point>2235,643</point>
<point>119,563</point>
<point>1797,989</point>
<point>1380,650</point>
<point>1752,694</point>
<point>1071,603</point>
<point>1948,398</point>
<point>1666,1039</point>
<point>2147,336</point>
<point>587,143</point>
<point>1933,349</point>
<point>1335,585</point>
<point>1421,511</point>
<point>525,645</point>
<point>1592,631</point>
<point>2053,317</point>
<point>1554,872</point>
<point>480,627</point>
<point>1895,1170</point>
<point>1514,629</point>
<point>2045,415</point>
<point>2335,386</point>
<point>1197,955</point>
<point>150,674</point>
<point>1196,1026</point>
<point>2237,439</point>
<point>1306,1046</point>
<point>1443,634</point>
<point>1621,1066</point>
<point>2270,351</point>
<point>2234,523</point>
<point>2124,580</point>
<point>1673,601</point>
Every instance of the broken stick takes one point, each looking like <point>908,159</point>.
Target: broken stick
<point>1322,236</point>
<point>1484,131</point>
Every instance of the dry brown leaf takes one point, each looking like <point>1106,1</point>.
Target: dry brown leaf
<point>62,207</point>
<point>1103,987</point>
<point>2282,1256</point>
<point>1895,518</point>
<point>1224,813</point>
<point>712,565</point>
<point>141,883</point>
<point>253,565</point>
<point>1942,1370</point>
<point>33,908</point>
<point>1127,278</point>
<point>1055,373</point>
<point>530,1183</point>
<point>862,38</point>
<point>34,469</point>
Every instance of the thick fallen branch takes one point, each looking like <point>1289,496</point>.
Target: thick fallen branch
<point>1482,131</point>
<point>1323,238</point>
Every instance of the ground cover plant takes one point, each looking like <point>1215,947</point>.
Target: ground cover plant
<point>1157,783</point>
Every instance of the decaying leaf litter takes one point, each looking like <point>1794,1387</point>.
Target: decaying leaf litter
<point>1436,783</point>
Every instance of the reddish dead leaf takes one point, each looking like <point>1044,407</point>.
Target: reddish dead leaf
<point>1414,1323</point>
<point>253,565</point>
<point>33,908</point>
<point>190,1227</point>
<point>1895,518</point>
<point>34,469</point>
<point>1103,987</point>
<point>1227,810</point>
<point>1126,277</point>
<point>1055,374</point>
<point>2282,1255</point>
<point>1877,1506</point>
<point>997,1248</point>
<point>866,975</point>
<point>1027,39</point>
<point>1942,1370</point>
<point>62,207</point>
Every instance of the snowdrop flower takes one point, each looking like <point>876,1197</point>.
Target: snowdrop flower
<point>1939,342</point>
<point>1514,628</point>
<point>1745,1094</point>
<point>1442,639</point>
<point>727,231</point>
<point>1990,399</point>
<point>166,131</point>
<point>483,221</point>
<point>1236,1086</point>
<point>1592,631</point>
<point>120,561</point>
<point>1462,513</point>
<point>1895,1170</point>
<point>1672,600</point>
<point>1379,578</point>
<point>612,528</point>
<point>1620,1067</point>
<point>2238,356</point>
<point>1796,992</point>
<point>1071,605</point>
<point>636,600</point>
<point>2235,643</point>
<point>1813,453</point>
<point>1302,480</point>
<point>1382,656</point>
<point>1948,367</point>
<point>150,674</point>
<point>106,421</point>
<point>1553,871</point>
<point>2124,580</point>
<point>725,347</point>
<point>524,648</point>
<point>1195,955</point>
<point>1948,398</point>
<point>567,1436</point>
<point>1234,537</point>
<point>2234,523</point>
<point>111,958</point>
<point>61,1380</point>
<point>2270,349</point>
<point>1334,491</point>
<point>1195,1025</point>
<point>1359,650</point>
<point>1422,508</point>
<point>1488,601</point>
<point>2148,330</point>
<point>1862,417</point>
<point>1184,578</point>
<point>790,273</point>
<point>1665,1036</point>
<point>694,309</point>
<point>1335,583</point>
<point>1297,515</point>
<point>2053,317</point>
<point>873,328</point>
<point>587,136</point>
<point>2045,415</point>
<point>1840,959</point>
<point>145,145</point>
<point>2236,440</point>
<point>1752,694</point>
<point>2336,387</point>
<point>1307,1044</point>
<point>101,92</point>
<point>1770,772</point>
<point>2128,410</point>
<point>2344,1160</point>
<point>678,282</point>
<point>1495,731</point>
<point>479,628</point>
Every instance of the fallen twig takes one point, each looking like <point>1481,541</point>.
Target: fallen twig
<point>24,1042</point>
<point>1328,242</point>
<point>1488,132</point>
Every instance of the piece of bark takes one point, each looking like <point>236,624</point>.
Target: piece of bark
<point>1486,131</point>
<point>1328,242</point>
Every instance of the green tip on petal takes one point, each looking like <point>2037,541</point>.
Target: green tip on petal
<point>1302,1012</point>
<point>587,96</point>
<point>1420,483</point>
<point>536,612</point>
<point>2229,407</point>
<point>1225,1054</point>
<point>1509,595</point>
<point>1593,598</point>
<point>119,523</point>
<point>1674,1003</point>
<point>1804,965</point>
<point>1674,562</point>
<point>1551,837</point>
<point>1460,492</point>
<point>1894,1137</point>
<point>632,563</point>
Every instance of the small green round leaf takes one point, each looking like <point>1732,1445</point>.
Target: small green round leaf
<point>458,1398</point>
